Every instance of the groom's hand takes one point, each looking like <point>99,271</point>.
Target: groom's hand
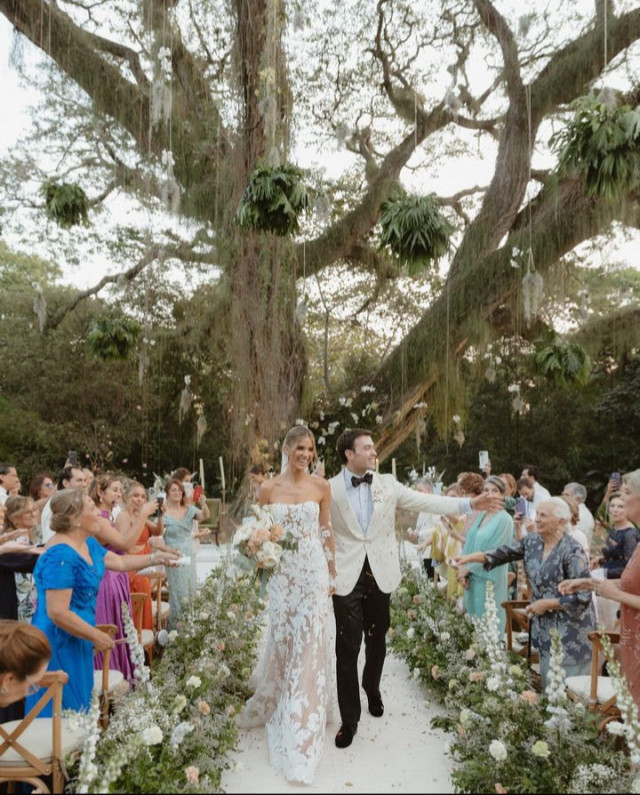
<point>488,502</point>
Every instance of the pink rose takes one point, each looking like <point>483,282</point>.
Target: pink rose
<point>435,672</point>
<point>411,615</point>
<point>476,676</point>
<point>417,599</point>
<point>204,708</point>
<point>230,710</point>
<point>192,773</point>
<point>529,696</point>
<point>500,789</point>
<point>220,645</point>
<point>276,533</point>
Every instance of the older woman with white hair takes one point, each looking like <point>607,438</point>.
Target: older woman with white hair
<point>626,590</point>
<point>550,556</point>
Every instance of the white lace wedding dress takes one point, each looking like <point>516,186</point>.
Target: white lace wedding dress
<point>293,679</point>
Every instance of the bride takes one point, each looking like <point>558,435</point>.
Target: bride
<point>292,678</point>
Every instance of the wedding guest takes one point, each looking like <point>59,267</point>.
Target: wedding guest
<point>21,517</point>
<point>491,528</point>
<point>626,590</point>
<point>178,518</point>
<point>550,556</point>
<point>136,515</point>
<point>539,491</point>
<point>70,477</point>
<point>573,530</point>
<point>257,476</point>
<point>586,522</point>
<point>68,577</point>
<point>9,481</point>
<point>621,541</point>
<point>429,541</point>
<point>41,488</point>
<point>24,655</point>
<point>114,588</point>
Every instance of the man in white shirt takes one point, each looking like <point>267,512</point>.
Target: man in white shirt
<point>586,523</point>
<point>69,478</point>
<point>8,481</point>
<point>424,528</point>
<point>540,494</point>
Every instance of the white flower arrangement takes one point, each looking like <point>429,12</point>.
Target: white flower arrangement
<point>498,750</point>
<point>152,736</point>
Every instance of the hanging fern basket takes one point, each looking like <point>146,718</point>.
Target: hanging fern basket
<point>273,200</point>
<point>67,204</point>
<point>562,363</point>
<point>415,230</point>
<point>112,339</point>
<point>602,144</point>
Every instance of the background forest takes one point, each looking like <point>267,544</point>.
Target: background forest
<point>398,215</point>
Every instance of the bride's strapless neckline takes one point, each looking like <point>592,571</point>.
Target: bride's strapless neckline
<point>304,502</point>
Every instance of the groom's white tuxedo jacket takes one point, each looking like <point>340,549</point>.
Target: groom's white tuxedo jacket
<point>379,543</point>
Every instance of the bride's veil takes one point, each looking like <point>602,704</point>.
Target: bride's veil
<point>284,459</point>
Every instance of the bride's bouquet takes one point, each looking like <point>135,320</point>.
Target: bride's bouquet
<point>260,542</point>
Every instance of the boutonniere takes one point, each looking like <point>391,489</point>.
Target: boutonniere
<point>376,490</point>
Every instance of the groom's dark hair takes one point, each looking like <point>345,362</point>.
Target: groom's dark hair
<point>347,439</point>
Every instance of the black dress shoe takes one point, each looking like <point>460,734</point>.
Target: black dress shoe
<point>345,735</point>
<point>376,707</point>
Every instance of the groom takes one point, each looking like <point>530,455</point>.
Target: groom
<point>363,506</point>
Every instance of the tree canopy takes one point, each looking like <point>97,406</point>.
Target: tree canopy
<point>182,104</point>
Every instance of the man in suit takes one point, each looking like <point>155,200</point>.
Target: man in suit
<point>363,507</point>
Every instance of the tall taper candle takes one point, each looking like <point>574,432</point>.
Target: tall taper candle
<point>222,473</point>
<point>202,474</point>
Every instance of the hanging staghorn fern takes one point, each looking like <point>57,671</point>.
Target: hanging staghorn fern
<point>66,203</point>
<point>273,200</point>
<point>601,143</point>
<point>561,362</point>
<point>112,338</point>
<point>415,230</point>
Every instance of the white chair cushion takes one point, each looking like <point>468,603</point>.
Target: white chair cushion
<point>164,608</point>
<point>38,739</point>
<point>581,686</point>
<point>148,637</point>
<point>115,677</point>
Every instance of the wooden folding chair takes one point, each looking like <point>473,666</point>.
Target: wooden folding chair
<point>595,691</point>
<point>213,522</point>
<point>33,748</point>
<point>147,637</point>
<point>106,681</point>
<point>160,606</point>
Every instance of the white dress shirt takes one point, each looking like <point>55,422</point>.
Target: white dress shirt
<point>360,498</point>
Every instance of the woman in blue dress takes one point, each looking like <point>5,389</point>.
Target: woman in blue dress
<point>67,577</point>
<point>178,517</point>
<point>489,530</point>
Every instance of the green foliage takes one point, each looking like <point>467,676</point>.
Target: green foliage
<point>273,200</point>
<point>112,339</point>
<point>66,203</point>
<point>602,144</point>
<point>415,230</point>
<point>562,362</point>
<point>507,737</point>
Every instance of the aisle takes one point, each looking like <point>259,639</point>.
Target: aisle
<point>399,752</point>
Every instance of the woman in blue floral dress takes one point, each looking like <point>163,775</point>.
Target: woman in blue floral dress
<point>551,556</point>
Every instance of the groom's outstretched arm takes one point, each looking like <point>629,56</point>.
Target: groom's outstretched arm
<point>418,501</point>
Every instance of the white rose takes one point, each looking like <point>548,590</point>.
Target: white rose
<point>224,671</point>
<point>498,750</point>
<point>616,728</point>
<point>269,554</point>
<point>464,716</point>
<point>493,684</point>
<point>445,636</point>
<point>194,681</point>
<point>152,735</point>
<point>173,635</point>
<point>242,534</point>
<point>411,632</point>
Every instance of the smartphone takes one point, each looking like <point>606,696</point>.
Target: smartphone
<point>617,477</point>
<point>160,499</point>
<point>73,458</point>
<point>521,506</point>
<point>483,458</point>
